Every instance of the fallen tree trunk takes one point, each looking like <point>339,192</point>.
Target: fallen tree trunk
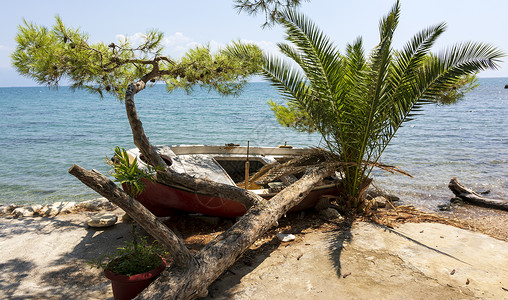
<point>108,189</point>
<point>190,277</point>
<point>472,197</point>
<point>221,253</point>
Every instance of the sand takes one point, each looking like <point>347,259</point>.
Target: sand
<point>45,258</point>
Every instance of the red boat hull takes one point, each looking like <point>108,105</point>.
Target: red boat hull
<point>163,201</point>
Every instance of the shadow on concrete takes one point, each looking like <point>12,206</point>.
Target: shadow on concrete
<point>14,271</point>
<point>391,230</point>
<point>252,258</point>
<point>338,238</point>
<point>67,275</point>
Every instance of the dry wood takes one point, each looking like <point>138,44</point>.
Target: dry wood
<point>221,253</point>
<point>190,277</point>
<point>108,189</point>
<point>472,197</point>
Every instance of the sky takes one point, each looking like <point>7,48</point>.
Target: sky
<point>187,23</point>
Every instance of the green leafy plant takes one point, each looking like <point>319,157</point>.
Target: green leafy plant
<point>358,102</point>
<point>127,172</point>
<point>48,55</point>
<point>136,257</point>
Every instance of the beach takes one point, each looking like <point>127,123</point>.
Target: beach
<point>46,258</point>
<point>387,134</point>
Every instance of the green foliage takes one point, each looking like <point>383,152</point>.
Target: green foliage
<point>358,102</point>
<point>226,71</point>
<point>464,85</point>
<point>127,172</point>
<point>136,257</point>
<point>271,8</point>
<point>49,55</point>
<point>292,116</point>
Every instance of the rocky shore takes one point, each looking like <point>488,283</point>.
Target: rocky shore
<point>54,209</point>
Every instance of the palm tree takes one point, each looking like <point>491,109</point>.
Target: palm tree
<point>357,103</point>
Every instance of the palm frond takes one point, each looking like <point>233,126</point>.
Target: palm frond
<point>285,78</point>
<point>319,55</point>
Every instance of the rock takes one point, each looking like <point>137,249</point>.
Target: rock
<point>445,207</point>
<point>101,220</point>
<point>47,210</point>
<point>26,211</point>
<point>36,208</point>
<point>456,200</point>
<point>483,192</point>
<point>379,202</point>
<point>372,193</point>
<point>57,208</point>
<point>7,209</point>
<point>284,237</point>
<point>96,204</point>
<point>330,214</point>
<point>506,86</point>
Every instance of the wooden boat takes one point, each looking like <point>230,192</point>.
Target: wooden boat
<point>224,164</point>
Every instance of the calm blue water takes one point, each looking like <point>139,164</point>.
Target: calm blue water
<point>45,131</point>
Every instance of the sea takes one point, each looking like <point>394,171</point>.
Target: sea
<point>44,131</point>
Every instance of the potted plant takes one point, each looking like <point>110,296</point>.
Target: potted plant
<point>132,267</point>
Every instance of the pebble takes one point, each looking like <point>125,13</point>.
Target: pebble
<point>330,214</point>
<point>284,237</point>
<point>96,204</point>
<point>101,220</point>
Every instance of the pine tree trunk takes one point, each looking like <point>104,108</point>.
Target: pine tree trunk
<point>190,277</point>
<point>167,176</point>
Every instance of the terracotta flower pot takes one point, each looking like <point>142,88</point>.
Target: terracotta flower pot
<point>127,287</point>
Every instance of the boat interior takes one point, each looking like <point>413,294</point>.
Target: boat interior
<point>227,164</point>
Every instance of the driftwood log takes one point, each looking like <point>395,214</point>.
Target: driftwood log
<point>222,252</point>
<point>108,189</point>
<point>190,276</point>
<point>472,197</point>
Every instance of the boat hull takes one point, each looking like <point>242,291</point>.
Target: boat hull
<point>163,201</point>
